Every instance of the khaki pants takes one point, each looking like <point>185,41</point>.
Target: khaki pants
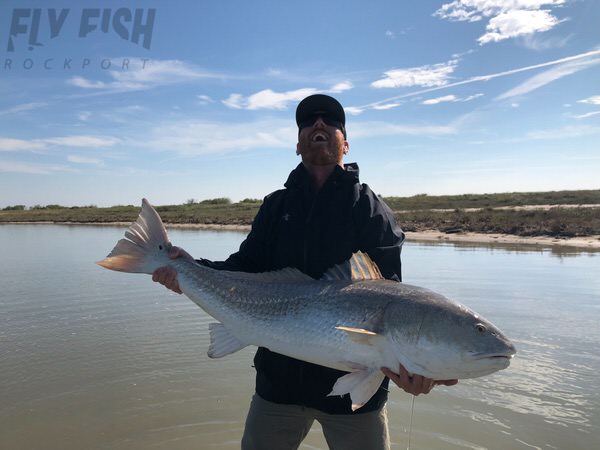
<point>272,426</point>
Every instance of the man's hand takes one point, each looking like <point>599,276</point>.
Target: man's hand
<point>415,384</point>
<point>167,276</point>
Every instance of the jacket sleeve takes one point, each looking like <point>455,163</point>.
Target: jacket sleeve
<point>379,234</point>
<point>251,255</point>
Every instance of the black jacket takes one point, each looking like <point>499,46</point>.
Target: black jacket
<point>297,228</point>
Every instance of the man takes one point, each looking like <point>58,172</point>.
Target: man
<point>321,217</point>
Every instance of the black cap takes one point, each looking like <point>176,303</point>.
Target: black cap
<point>323,104</point>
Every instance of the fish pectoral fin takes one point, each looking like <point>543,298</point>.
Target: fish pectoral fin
<point>360,335</point>
<point>222,342</point>
<point>361,385</point>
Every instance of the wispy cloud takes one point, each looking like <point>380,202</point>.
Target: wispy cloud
<point>80,141</point>
<point>580,61</point>
<point>506,18</point>
<point>370,129</point>
<point>83,141</point>
<point>594,100</point>
<point>426,76</point>
<point>204,100</point>
<point>35,169</point>
<point>23,108</point>
<point>564,68</point>
<point>196,137</point>
<point>568,132</point>
<point>77,159</point>
<point>16,145</point>
<point>145,74</point>
<point>586,115</point>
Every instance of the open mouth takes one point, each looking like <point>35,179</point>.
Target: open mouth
<point>319,136</point>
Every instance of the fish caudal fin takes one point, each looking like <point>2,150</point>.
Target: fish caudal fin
<point>145,247</point>
<point>361,385</point>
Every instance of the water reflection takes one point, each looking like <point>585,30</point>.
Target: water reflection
<point>560,251</point>
<point>95,359</point>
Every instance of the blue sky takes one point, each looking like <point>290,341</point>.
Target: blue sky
<point>442,97</point>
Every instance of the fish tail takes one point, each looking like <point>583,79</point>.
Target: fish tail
<point>145,247</point>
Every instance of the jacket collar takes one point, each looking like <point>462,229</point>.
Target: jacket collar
<point>299,177</point>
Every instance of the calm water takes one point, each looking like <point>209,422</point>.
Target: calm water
<point>94,359</point>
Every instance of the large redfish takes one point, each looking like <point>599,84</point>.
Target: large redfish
<point>352,319</point>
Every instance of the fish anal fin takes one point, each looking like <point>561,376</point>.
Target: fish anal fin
<point>359,267</point>
<point>222,341</point>
<point>361,386</point>
<point>359,335</point>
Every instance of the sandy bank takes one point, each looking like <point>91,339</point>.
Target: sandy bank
<point>585,242</point>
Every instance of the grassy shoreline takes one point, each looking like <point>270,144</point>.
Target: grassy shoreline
<point>555,215</point>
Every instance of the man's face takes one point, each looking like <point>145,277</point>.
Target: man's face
<point>320,144</point>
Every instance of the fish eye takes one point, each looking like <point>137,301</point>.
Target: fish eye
<point>481,328</point>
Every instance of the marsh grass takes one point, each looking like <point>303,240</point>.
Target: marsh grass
<point>486,213</point>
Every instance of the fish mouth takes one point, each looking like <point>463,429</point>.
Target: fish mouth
<point>494,356</point>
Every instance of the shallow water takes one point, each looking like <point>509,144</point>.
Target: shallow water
<point>94,359</point>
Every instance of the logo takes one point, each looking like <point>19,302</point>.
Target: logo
<point>37,26</point>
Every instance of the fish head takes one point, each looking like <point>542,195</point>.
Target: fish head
<point>447,340</point>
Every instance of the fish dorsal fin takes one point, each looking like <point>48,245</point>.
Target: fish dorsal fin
<point>359,267</point>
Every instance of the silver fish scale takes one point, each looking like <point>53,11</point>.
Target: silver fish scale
<point>298,316</point>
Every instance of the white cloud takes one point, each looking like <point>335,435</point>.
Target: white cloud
<point>204,100</point>
<point>84,116</point>
<point>581,61</point>
<point>145,74</point>
<point>84,160</point>
<point>35,169</point>
<point>593,100</point>
<point>234,101</point>
<point>15,145</point>
<point>341,87</point>
<point>24,108</point>
<point>567,132</point>
<point>507,18</point>
<point>387,106</point>
<point>515,23</point>
<point>427,76</point>
<point>586,115</point>
<point>83,141</point>
<point>195,137</point>
<point>362,130</point>
<point>444,99</point>
<point>566,67</point>
<point>450,98</point>
<point>269,99</point>
<point>353,110</point>
<point>390,34</point>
